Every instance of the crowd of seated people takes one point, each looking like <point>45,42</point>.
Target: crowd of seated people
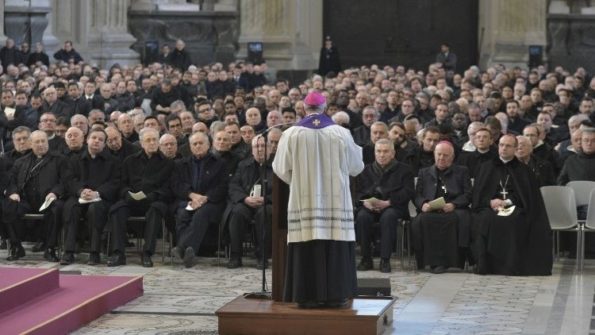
<point>183,145</point>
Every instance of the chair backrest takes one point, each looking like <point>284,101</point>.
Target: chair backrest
<point>590,222</point>
<point>560,205</point>
<point>582,190</point>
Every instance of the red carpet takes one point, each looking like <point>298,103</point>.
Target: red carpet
<point>59,310</point>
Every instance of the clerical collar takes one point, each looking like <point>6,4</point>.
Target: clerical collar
<point>505,160</point>
<point>539,143</point>
<point>482,151</point>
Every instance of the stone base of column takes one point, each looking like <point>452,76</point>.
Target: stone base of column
<point>508,54</point>
<point>281,55</point>
<point>110,48</point>
<point>212,39</point>
<point>25,24</point>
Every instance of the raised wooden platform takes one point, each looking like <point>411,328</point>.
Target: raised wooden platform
<point>263,317</point>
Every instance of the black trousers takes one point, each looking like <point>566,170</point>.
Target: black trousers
<point>96,218</point>
<point>13,213</point>
<point>192,226</point>
<point>153,213</point>
<point>241,216</point>
<point>364,223</point>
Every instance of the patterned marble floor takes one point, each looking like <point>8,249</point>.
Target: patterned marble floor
<point>183,301</point>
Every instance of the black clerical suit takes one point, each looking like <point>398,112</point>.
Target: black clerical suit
<point>393,183</point>
<point>33,178</point>
<point>207,176</point>
<point>440,238</point>
<point>240,187</point>
<point>149,175</point>
<point>101,174</point>
<point>125,150</point>
<point>473,159</point>
<point>519,244</point>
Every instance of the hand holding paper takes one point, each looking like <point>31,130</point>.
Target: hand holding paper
<point>140,195</point>
<point>48,201</point>
<point>437,204</point>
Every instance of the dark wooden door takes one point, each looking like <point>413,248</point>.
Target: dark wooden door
<point>404,32</point>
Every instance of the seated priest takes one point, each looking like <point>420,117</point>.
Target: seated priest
<point>200,187</point>
<point>93,187</point>
<point>441,230</point>
<point>247,204</point>
<point>382,194</point>
<point>145,177</point>
<point>36,179</point>
<point>513,235</point>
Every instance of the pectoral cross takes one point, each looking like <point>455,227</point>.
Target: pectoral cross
<point>316,122</point>
<point>443,187</point>
<point>503,192</point>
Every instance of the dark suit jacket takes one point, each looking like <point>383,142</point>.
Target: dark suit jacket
<point>395,184</point>
<point>457,182</point>
<point>247,175</point>
<point>53,173</point>
<point>101,174</point>
<point>212,182</point>
<point>150,175</point>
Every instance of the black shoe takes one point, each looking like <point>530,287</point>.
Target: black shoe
<point>234,263</point>
<point>39,246</point>
<point>385,265</point>
<point>438,269</point>
<point>67,258</point>
<point>365,264</point>
<point>117,260</point>
<point>50,255</point>
<point>343,303</point>
<point>94,259</point>
<point>16,252</point>
<point>262,265</point>
<point>189,257</point>
<point>3,245</point>
<point>178,253</point>
<point>146,260</point>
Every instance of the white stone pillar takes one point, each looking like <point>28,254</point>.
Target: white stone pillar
<point>508,27</point>
<point>107,38</point>
<point>291,31</point>
<point>49,41</point>
<point>2,36</point>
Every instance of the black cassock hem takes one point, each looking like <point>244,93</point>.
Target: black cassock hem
<point>321,271</point>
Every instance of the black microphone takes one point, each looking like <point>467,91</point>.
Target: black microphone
<point>266,131</point>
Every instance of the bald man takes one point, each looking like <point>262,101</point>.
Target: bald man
<point>441,234</point>
<point>35,178</point>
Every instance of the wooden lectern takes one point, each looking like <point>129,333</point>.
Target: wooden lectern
<point>266,317</point>
<point>279,236</point>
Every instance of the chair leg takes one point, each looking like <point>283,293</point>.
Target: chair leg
<point>579,249</point>
<point>163,237</point>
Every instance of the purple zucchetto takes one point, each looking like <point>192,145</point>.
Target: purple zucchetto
<point>315,99</point>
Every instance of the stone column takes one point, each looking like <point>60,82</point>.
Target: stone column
<point>2,36</point>
<point>98,29</point>
<point>508,27</point>
<point>24,20</point>
<point>108,39</point>
<point>291,31</point>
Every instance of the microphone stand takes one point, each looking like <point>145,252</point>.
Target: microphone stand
<point>263,294</point>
